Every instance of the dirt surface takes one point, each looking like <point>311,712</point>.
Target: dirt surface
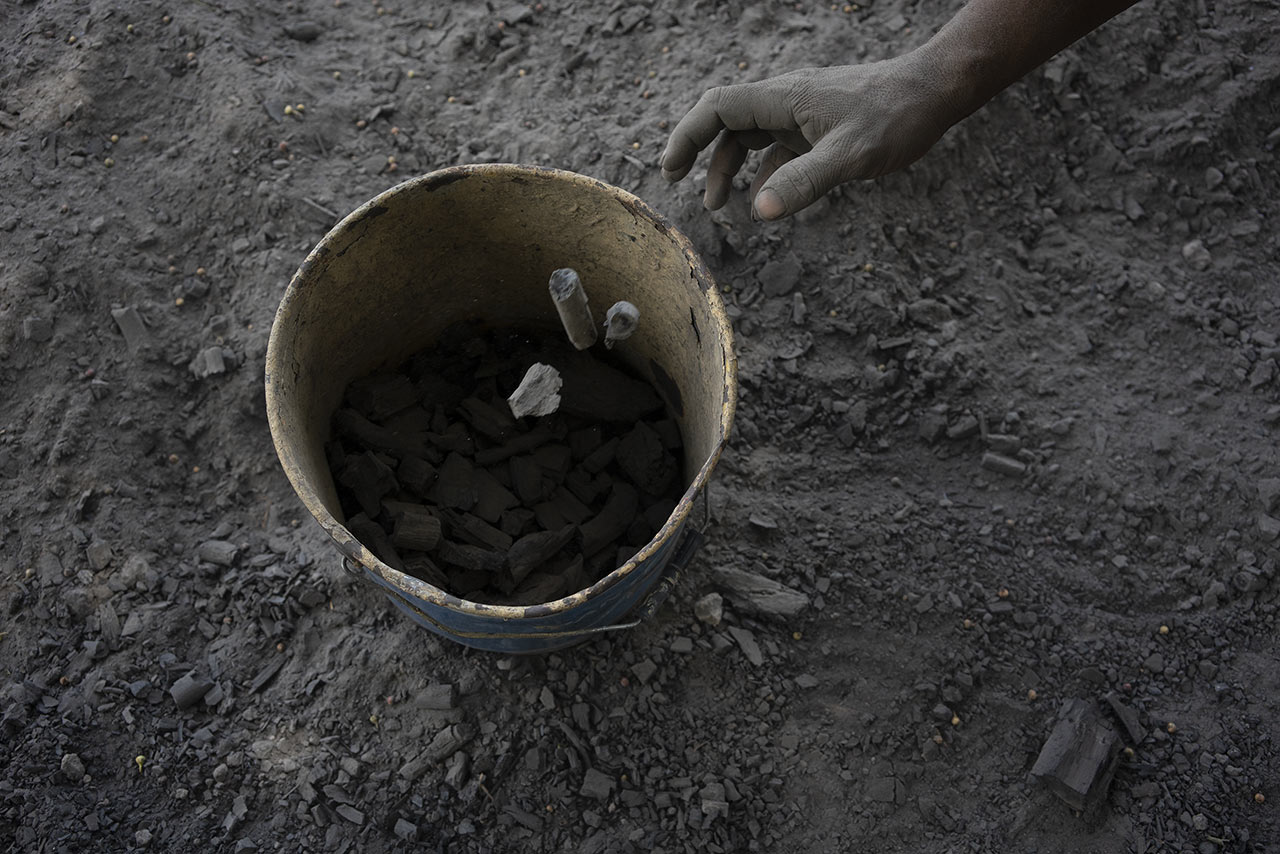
<point>1080,280</point>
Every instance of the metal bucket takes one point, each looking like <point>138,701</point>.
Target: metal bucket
<point>477,243</point>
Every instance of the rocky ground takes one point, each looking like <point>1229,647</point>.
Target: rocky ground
<point>1006,430</point>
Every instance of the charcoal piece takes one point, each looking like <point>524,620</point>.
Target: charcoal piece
<point>375,540</point>
<point>440,696</point>
<point>415,419</point>
<point>556,459</point>
<point>592,389</point>
<point>370,436</point>
<point>548,517</point>
<point>760,595</point>
<point>583,442</point>
<point>380,396</point>
<point>551,584</point>
<point>527,479</point>
<point>433,388</point>
<point>624,554</point>
<point>455,485</point>
<point>515,521</point>
<point>520,444</point>
<point>422,567</point>
<point>568,506</point>
<point>638,531</point>
<point>394,508</point>
<point>601,456</point>
<point>1079,758</point>
<point>669,431</point>
<point>642,458</point>
<point>454,439</point>
<point>1128,717</point>
<point>475,531</point>
<point>469,558</point>
<point>189,689</point>
<point>492,498</point>
<point>658,513</point>
<point>416,475</point>
<point>369,479</point>
<point>497,424</point>
<point>583,486</point>
<point>416,528</point>
<point>532,550</point>
<point>612,521</point>
<point>467,583</point>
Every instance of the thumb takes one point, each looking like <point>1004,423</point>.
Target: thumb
<point>800,182</point>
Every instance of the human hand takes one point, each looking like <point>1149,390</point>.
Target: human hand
<point>821,127</point>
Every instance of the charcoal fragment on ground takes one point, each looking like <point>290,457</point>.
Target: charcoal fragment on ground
<point>439,479</point>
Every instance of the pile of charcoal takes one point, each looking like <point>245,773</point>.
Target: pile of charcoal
<point>440,480</point>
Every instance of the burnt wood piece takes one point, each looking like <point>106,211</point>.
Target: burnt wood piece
<point>1079,758</point>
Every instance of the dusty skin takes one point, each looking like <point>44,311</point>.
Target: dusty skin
<point>1007,439</point>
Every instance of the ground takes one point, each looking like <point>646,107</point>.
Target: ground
<point>1080,280</point>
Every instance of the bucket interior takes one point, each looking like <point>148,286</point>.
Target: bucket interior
<point>478,244</point>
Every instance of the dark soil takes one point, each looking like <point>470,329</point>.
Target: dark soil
<point>1008,424</point>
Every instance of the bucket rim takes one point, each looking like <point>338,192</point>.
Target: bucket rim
<point>413,587</point>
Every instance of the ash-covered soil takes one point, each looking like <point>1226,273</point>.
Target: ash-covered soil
<point>1007,430</point>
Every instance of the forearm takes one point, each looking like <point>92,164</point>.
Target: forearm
<point>989,44</point>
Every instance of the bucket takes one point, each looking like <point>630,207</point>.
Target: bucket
<point>476,244</point>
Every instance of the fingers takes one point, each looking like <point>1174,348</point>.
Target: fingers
<point>773,158</point>
<point>742,107</point>
<point>797,182</point>
<point>727,158</point>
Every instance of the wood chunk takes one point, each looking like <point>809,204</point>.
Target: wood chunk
<point>643,459</point>
<point>372,437</point>
<point>592,389</point>
<point>415,419</point>
<point>521,444</point>
<point>380,396</point>
<point>469,558</point>
<point>455,485</point>
<point>758,594</point>
<point>549,585</point>
<point>416,475</point>
<point>612,521</point>
<point>1079,758</point>
<point>659,513</point>
<point>497,424</point>
<point>441,696</point>
<point>416,528</point>
<point>477,532</point>
<point>532,550</point>
<point>369,479</point>
<point>568,506</point>
<point>527,480</point>
<point>492,498</point>
<point>601,456</point>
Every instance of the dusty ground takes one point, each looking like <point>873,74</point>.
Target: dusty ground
<point>1083,278</point>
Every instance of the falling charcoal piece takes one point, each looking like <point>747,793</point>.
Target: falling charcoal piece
<point>532,550</point>
<point>369,479</point>
<point>381,395</point>
<point>612,521</point>
<point>594,390</point>
<point>1079,758</point>
<point>455,484</point>
<point>416,529</point>
<point>469,558</point>
<point>538,393</point>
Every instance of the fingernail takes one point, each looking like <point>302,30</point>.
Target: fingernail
<point>769,205</point>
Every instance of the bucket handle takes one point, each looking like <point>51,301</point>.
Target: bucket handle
<point>688,547</point>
